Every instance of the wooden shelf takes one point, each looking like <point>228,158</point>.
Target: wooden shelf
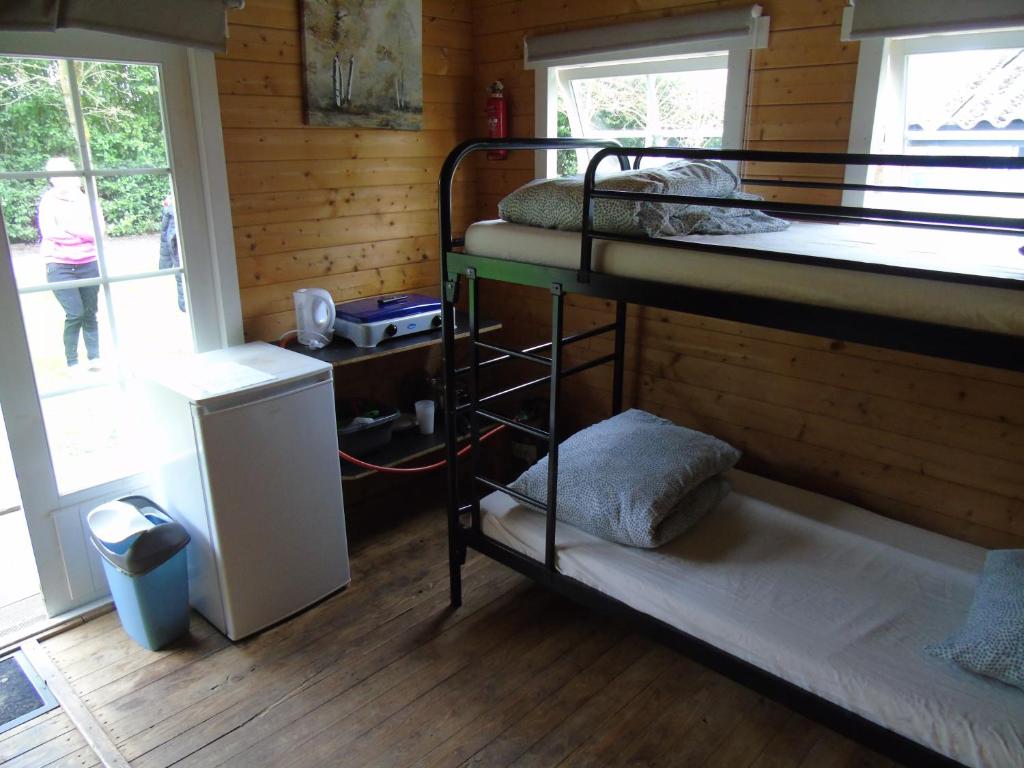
<point>343,352</point>
<point>404,446</point>
<point>408,444</point>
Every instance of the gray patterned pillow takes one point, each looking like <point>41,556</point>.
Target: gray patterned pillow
<point>635,478</point>
<point>558,203</point>
<point>991,642</point>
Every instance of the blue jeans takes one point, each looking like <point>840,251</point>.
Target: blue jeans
<point>79,305</point>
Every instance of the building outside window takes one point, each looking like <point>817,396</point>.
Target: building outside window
<point>940,94</point>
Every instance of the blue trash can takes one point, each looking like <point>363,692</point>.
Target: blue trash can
<point>143,553</point>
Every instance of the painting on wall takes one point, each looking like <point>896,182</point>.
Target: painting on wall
<point>362,63</point>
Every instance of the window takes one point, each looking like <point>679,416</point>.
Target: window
<point>675,102</point>
<point>86,189</point>
<point>951,94</point>
<point>675,81</point>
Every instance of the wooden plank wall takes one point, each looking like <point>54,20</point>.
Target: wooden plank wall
<point>352,211</point>
<point>929,442</point>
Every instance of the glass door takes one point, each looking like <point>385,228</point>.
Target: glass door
<point>88,201</point>
<point>102,269</point>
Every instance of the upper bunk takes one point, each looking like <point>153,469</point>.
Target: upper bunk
<point>936,282</point>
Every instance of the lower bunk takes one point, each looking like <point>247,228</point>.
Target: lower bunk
<point>796,593</point>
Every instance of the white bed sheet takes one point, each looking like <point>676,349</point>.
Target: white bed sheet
<point>836,599</point>
<point>967,306</point>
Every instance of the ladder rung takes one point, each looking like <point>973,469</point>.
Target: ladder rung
<point>521,497</point>
<point>507,354</point>
<point>587,334</point>
<point>540,434</point>
<point>516,388</point>
<point>609,358</point>
<point>482,364</point>
<point>521,354</point>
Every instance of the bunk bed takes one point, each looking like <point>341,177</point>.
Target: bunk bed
<point>843,272</point>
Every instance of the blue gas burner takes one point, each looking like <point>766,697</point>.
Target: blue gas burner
<point>367,322</point>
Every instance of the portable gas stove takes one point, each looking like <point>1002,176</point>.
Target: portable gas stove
<point>368,322</point>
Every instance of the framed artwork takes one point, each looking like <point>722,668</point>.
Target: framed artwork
<point>363,63</point>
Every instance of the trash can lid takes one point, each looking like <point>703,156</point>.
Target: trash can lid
<point>134,535</point>
<point>116,523</point>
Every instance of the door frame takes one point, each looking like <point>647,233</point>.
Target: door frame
<point>68,568</point>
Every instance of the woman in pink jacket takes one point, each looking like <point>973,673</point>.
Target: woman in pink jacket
<point>69,247</point>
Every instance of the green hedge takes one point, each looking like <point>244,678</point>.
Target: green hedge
<point>121,107</point>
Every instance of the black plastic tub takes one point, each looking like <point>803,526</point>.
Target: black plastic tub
<point>364,426</point>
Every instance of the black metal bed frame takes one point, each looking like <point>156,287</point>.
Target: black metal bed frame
<point>986,348</point>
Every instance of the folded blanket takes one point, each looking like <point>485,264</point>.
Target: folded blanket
<point>712,178</point>
<point>635,478</point>
<point>558,203</point>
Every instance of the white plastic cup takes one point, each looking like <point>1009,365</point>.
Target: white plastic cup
<point>425,416</point>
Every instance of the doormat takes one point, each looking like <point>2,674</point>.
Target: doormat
<point>23,694</point>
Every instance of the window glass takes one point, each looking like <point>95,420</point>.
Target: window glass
<point>68,323</point>
<point>139,222</point>
<point>152,318</point>
<point>676,103</point>
<point>20,199</point>
<point>35,117</point>
<point>692,107</point>
<point>92,436</point>
<point>964,103</point>
<point>566,164</point>
<point>121,109</point>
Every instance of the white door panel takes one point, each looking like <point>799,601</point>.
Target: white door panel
<point>69,570</point>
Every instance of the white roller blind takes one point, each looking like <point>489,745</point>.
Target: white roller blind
<point>900,18</point>
<point>196,23</point>
<point>743,27</point>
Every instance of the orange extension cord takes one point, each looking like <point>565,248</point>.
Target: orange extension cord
<point>412,470</point>
<point>283,342</point>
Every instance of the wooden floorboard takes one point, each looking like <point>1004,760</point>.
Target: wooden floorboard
<point>386,674</point>
<point>48,741</point>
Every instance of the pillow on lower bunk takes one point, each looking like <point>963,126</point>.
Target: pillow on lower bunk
<point>690,510</point>
<point>635,478</point>
<point>991,642</point>
<point>558,203</point>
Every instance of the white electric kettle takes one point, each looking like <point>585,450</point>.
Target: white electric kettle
<point>314,317</point>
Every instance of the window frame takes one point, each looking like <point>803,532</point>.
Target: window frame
<point>879,99</point>
<point>547,84</point>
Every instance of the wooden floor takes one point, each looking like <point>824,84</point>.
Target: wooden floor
<point>385,674</point>
<point>49,741</point>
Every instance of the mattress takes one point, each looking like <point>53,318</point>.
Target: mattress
<point>831,597</point>
<point>978,307</point>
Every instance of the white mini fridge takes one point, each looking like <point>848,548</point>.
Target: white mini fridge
<point>245,456</point>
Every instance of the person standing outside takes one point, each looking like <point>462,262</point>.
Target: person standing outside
<point>169,254</point>
<point>69,247</point>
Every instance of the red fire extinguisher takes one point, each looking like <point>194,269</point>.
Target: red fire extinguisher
<point>497,118</point>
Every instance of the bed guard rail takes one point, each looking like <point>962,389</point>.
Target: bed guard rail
<point>849,211</point>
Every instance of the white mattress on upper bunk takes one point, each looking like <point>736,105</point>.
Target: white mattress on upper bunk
<point>968,306</point>
<point>829,596</point>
